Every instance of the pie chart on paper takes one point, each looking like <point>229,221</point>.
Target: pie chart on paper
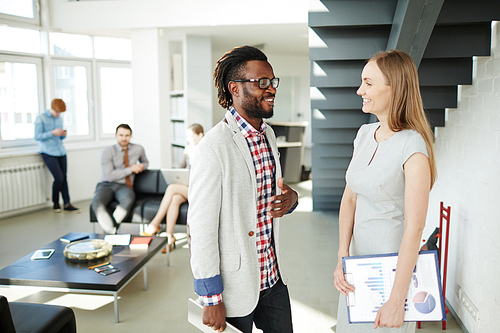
<point>424,302</point>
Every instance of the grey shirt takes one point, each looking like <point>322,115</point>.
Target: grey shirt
<point>113,168</point>
<point>376,176</point>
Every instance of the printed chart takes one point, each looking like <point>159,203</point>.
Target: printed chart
<point>373,277</point>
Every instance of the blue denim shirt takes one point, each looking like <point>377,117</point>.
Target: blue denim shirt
<point>49,144</point>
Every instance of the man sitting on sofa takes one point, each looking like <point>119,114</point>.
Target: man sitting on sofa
<point>119,165</point>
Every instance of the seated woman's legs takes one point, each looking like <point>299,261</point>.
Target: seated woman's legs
<point>166,203</point>
<point>173,214</point>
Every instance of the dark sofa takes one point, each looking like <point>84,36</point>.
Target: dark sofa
<point>35,318</point>
<point>149,187</point>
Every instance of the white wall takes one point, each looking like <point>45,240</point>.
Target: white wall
<point>150,89</point>
<point>468,162</point>
<point>84,171</point>
<point>112,15</point>
<point>290,66</point>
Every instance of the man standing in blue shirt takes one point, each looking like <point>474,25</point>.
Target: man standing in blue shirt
<point>49,133</point>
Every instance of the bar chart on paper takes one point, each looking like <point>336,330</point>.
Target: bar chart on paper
<point>374,281</point>
<point>373,277</point>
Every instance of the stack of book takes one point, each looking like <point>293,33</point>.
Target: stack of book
<point>140,242</point>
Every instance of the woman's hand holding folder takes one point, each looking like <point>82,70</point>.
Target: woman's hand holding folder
<point>340,281</point>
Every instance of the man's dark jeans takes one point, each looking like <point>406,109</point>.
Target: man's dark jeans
<point>272,314</point>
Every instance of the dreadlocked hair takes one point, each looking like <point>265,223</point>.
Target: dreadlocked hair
<point>230,67</point>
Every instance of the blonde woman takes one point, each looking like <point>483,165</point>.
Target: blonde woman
<point>384,205</point>
<point>176,194</point>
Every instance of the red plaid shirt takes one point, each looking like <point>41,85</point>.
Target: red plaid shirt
<point>265,172</point>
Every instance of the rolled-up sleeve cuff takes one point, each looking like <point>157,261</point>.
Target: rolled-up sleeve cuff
<point>212,300</point>
<point>208,287</point>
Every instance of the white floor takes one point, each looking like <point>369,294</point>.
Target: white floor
<point>309,244</point>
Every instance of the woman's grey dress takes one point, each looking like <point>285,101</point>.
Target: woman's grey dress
<point>376,177</point>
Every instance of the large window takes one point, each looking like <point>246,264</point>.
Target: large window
<point>91,74</point>
<point>20,10</point>
<point>116,97</point>
<point>20,98</point>
<point>20,40</point>
<point>70,45</point>
<point>71,83</point>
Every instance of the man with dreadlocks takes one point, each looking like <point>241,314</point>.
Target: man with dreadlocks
<point>236,197</point>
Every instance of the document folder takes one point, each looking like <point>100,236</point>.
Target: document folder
<point>194,317</point>
<point>373,276</point>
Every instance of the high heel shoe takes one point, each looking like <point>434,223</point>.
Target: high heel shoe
<point>144,233</point>
<point>170,246</point>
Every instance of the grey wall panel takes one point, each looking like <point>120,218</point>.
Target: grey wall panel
<point>342,73</point>
<point>329,177</point>
<point>334,150</point>
<point>338,99</point>
<point>468,11</point>
<point>336,191</point>
<point>445,71</point>
<point>324,135</point>
<point>436,117</point>
<point>325,162</point>
<point>340,119</point>
<point>334,183</point>
<point>350,43</point>
<point>439,97</point>
<point>349,13</point>
<point>327,203</point>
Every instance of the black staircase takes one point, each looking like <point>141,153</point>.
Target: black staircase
<point>442,36</point>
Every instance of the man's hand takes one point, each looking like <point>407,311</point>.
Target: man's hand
<point>281,204</point>
<point>58,132</point>
<point>137,168</point>
<point>214,317</point>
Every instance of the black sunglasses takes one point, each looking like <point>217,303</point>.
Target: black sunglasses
<point>264,83</point>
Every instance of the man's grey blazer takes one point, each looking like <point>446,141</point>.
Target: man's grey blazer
<point>222,217</point>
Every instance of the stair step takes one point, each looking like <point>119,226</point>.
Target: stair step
<point>350,43</point>
<point>445,71</point>
<point>341,119</point>
<point>467,11</point>
<point>459,41</point>
<point>352,13</point>
<point>333,150</point>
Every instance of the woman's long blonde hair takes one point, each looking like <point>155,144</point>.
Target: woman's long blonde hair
<point>406,110</point>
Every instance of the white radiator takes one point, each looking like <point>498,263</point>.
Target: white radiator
<point>22,186</point>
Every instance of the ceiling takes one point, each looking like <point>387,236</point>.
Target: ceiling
<point>286,39</point>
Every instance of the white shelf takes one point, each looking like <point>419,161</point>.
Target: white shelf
<point>289,144</point>
<point>288,124</point>
<point>176,93</point>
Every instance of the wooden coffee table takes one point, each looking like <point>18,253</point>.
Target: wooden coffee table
<point>62,275</point>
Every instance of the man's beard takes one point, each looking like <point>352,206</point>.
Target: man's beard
<point>253,108</point>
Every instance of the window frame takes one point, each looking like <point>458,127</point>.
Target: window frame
<point>16,20</point>
<point>41,89</point>
<point>90,93</point>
